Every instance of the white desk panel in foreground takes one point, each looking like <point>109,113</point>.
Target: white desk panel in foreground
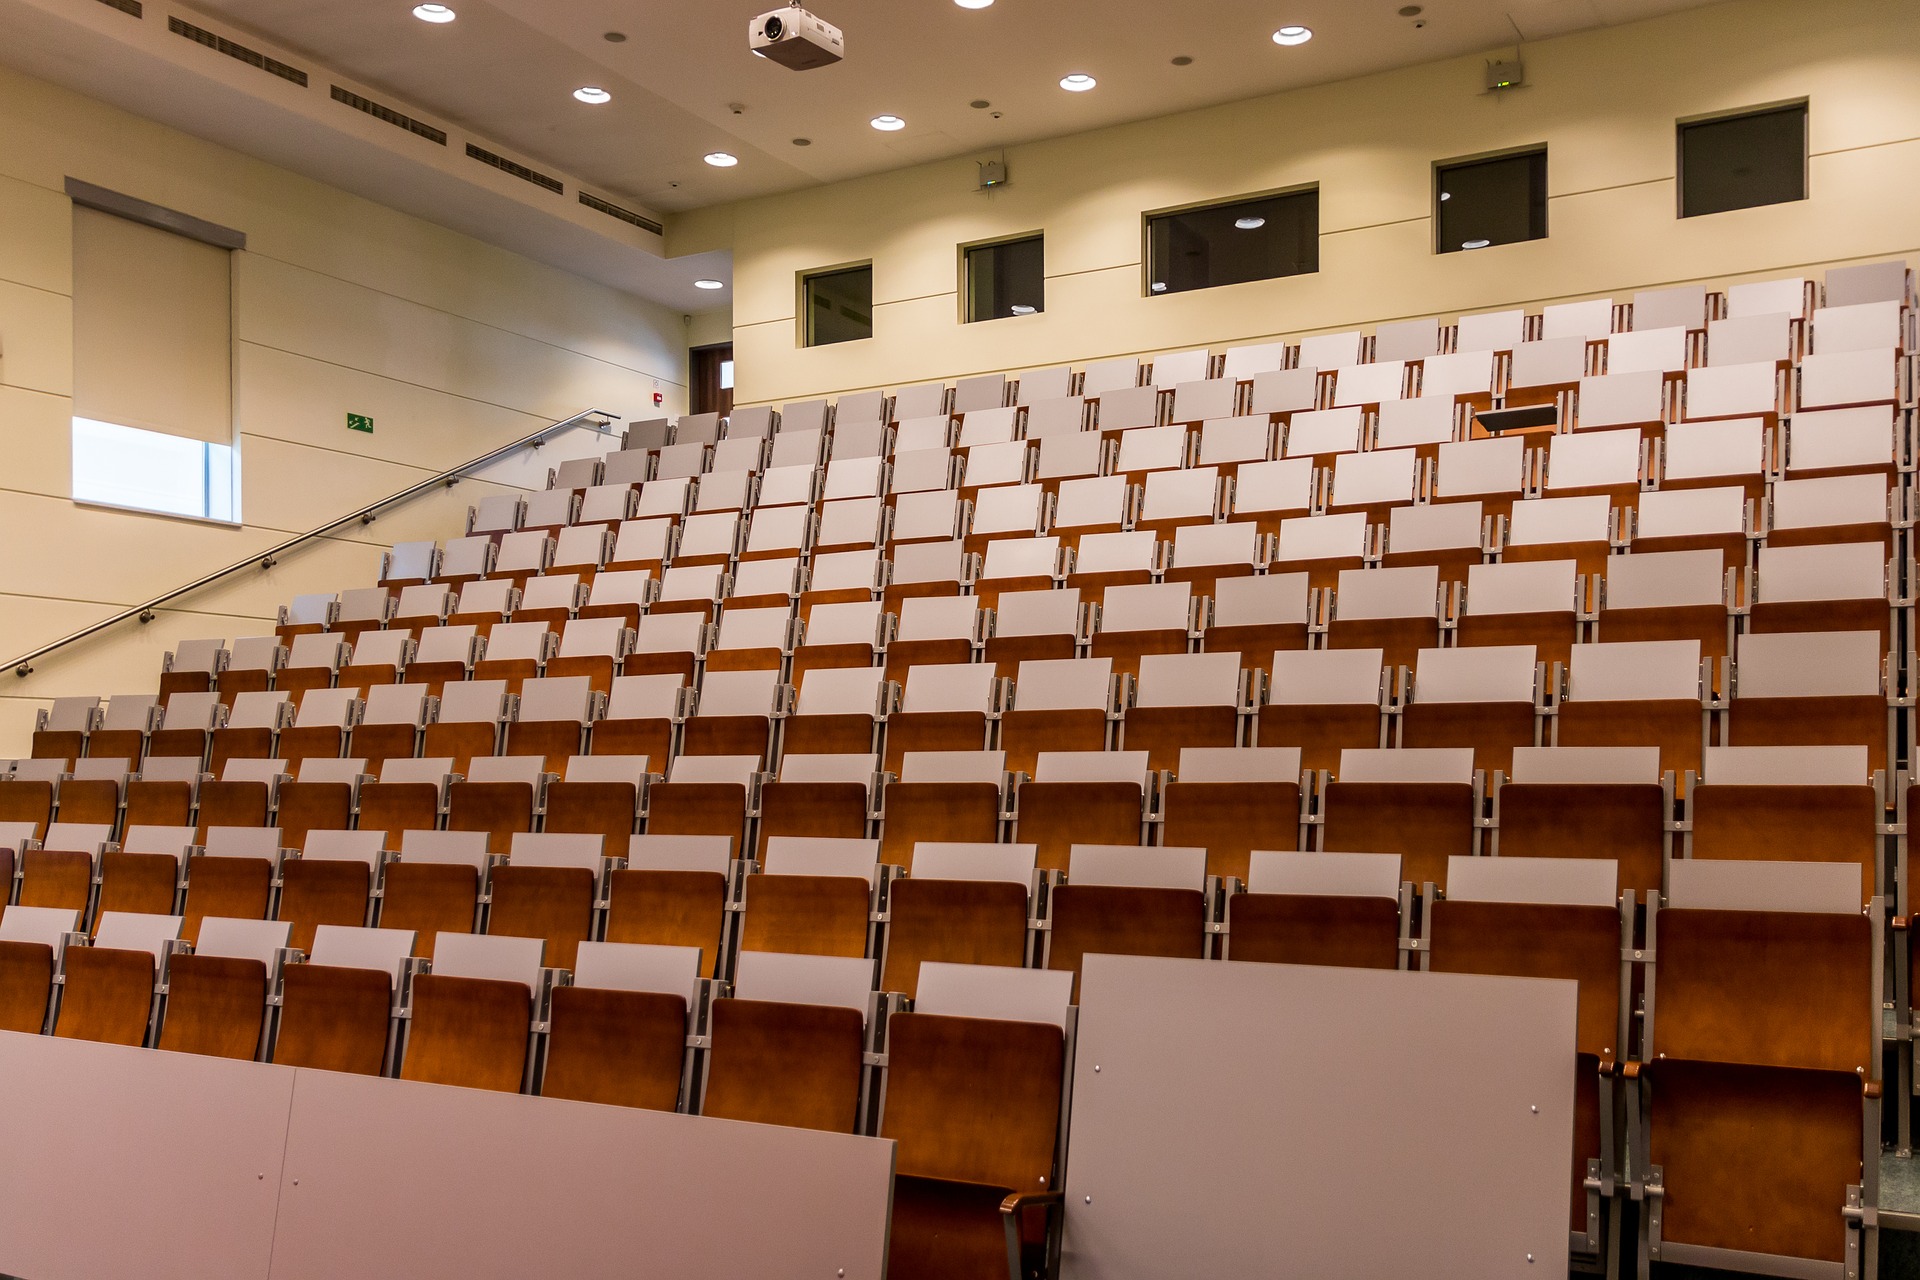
<point>392,1178</point>
<point>131,1162</point>
<point>1256,1119</point>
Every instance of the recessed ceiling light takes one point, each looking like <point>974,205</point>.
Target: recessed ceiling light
<point>1159,286</point>
<point>973,4</point>
<point>721,159</point>
<point>888,124</point>
<point>1249,224</point>
<point>1078,82</point>
<point>708,284</point>
<point>1475,244</point>
<point>979,104</point>
<point>1183,60</point>
<point>803,142</point>
<point>433,13</point>
<point>1021,309</point>
<point>1293,35</point>
<point>615,37</point>
<point>593,94</point>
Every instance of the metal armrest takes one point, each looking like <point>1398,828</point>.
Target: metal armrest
<point>1055,1203</point>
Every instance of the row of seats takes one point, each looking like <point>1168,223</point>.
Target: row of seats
<point>1424,803</point>
<point>806,1039</point>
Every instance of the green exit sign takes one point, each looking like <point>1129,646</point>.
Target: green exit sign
<point>360,422</point>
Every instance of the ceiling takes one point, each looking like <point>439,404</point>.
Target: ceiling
<point>507,68</point>
<point>683,84</point>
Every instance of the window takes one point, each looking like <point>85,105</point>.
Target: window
<point>1738,162</point>
<point>1006,279</point>
<point>152,360</point>
<point>1259,239</point>
<point>153,471</point>
<point>1502,200</point>
<point>839,306</point>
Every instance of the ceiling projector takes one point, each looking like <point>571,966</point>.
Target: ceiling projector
<point>795,38</point>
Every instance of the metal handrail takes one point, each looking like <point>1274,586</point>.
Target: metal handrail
<point>23,665</point>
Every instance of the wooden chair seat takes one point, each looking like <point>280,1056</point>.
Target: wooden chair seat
<point>1753,1158</point>
<point>231,683</point>
<point>322,892</point>
<point>429,898</point>
<point>932,731</point>
<point>669,908</point>
<point>604,809</point>
<point>235,888</point>
<point>955,922</point>
<point>553,903</point>
<point>1788,823</point>
<point>951,811</point>
<point>515,671</point>
<point>1299,928</point>
<point>812,809</point>
<point>1696,622</point>
<point>903,654</point>
<point>1399,640</point>
<point>1321,732</point>
<point>399,806</point>
<point>378,743</point>
<point>814,657</point>
<point>172,682</point>
<point>56,878</point>
<point>1677,727</point>
<point>599,669</point>
<point>788,1064</point>
<point>1622,823</point>
<point>1006,653</point>
<point>97,800</point>
<point>216,1006</point>
<point>1492,729</point>
<point>497,808</point>
<point>974,1108</point>
<point>1733,547</point>
<point>620,1048</point>
<point>1257,641</point>
<point>697,809</point>
<point>334,1019</point>
<point>142,882</point>
<point>1162,731</point>
<point>1551,634</point>
<point>470,1032</point>
<point>806,915</point>
<point>26,984</point>
<point>552,740</point>
<point>297,680</point>
<point>461,740</point>
<point>436,676</point>
<point>657,664</point>
<point>726,736</point>
<point>27,801</point>
<point>364,677</point>
<point>231,804</point>
<point>108,996</point>
<point>316,806</point>
<point>1822,615</point>
<point>851,734</point>
<point>1123,920</point>
<point>1126,648</point>
<point>650,738</point>
<point>1055,816</point>
<point>1798,722</point>
<point>1230,820</point>
<point>118,744</point>
<point>1025,734</point>
<point>1424,822</point>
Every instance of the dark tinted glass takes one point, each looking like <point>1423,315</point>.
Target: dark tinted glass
<point>1488,202</point>
<point>1233,243</point>
<point>1006,279</point>
<point>839,306</point>
<point>1738,162</point>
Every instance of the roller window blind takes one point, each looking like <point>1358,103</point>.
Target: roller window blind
<point>152,329</point>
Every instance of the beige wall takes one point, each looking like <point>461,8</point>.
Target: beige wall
<point>340,305</point>
<point>1604,101</point>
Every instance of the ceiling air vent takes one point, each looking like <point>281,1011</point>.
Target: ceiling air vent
<point>252,57</point>
<point>125,6</point>
<point>517,169</point>
<point>625,215</point>
<point>392,117</point>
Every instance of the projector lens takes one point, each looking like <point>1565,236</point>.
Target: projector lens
<point>774,28</point>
